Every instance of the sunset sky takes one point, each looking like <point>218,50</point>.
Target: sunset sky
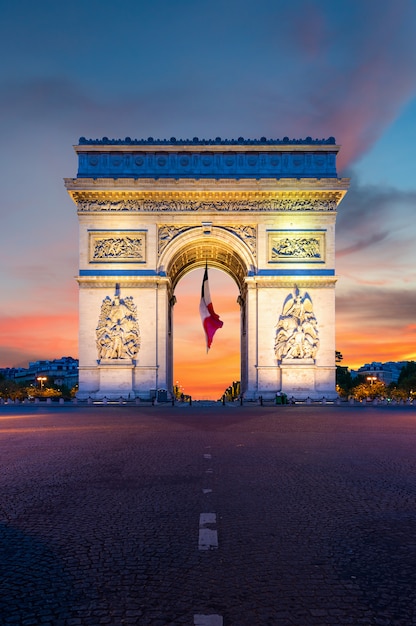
<point>228,68</point>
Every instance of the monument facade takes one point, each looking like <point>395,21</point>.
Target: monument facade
<point>263,211</point>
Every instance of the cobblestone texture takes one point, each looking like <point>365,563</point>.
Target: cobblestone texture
<point>100,506</point>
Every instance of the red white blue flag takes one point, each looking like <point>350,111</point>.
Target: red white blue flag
<point>210,320</point>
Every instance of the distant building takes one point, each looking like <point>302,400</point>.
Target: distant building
<point>63,371</point>
<point>387,373</point>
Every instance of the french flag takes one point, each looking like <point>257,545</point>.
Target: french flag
<point>210,320</point>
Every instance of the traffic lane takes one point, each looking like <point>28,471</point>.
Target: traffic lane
<point>109,506</point>
<point>318,523</point>
<point>273,561</point>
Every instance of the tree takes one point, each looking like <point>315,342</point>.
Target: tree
<point>407,378</point>
<point>365,390</point>
<point>11,389</point>
<point>344,381</point>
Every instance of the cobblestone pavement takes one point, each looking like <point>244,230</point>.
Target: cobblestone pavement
<point>312,516</point>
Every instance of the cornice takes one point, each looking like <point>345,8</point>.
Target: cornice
<point>212,145</point>
<point>95,282</point>
<point>251,282</point>
<point>205,202</point>
<point>206,184</point>
<point>183,148</point>
<point>259,282</point>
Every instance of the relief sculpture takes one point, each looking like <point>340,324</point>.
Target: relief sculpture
<point>248,234</point>
<point>117,333</point>
<point>202,206</point>
<point>297,328</point>
<point>118,247</point>
<point>167,233</point>
<point>297,247</point>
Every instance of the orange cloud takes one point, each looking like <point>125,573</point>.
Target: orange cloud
<point>33,337</point>
<point>382,342</point>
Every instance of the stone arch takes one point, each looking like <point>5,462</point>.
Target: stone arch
<point>221,248</point>
<point>156,209</point>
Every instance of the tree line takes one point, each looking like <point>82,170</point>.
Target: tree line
<point>10,389</point>
<point>360,388</point>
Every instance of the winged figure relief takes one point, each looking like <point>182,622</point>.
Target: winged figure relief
<point>297,328</point>
<point>117,332</point>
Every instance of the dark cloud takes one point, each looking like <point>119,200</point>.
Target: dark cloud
<point>344,69</point>
<point>369,215</point>
<point>351,70</point>
<point>362,244</point>
<point>374,306</point>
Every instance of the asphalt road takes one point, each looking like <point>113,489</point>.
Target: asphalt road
<point>207,516</point>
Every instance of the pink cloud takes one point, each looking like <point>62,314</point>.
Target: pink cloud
<point>38,337</point>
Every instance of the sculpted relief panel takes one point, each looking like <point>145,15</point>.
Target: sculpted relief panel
<point>117,246</point>
<point>297,246</point>
<point>297,328</point>
<point>117,332</point>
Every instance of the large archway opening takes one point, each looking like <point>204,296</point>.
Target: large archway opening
<point>206,375</point>
<point>198,373</point>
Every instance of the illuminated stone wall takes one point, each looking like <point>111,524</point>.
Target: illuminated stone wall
<point>263,211</point>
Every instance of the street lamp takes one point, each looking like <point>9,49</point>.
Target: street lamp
<point>372,379</point>
<point>41,379</point>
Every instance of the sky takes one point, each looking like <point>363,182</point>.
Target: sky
<point>228,68</point>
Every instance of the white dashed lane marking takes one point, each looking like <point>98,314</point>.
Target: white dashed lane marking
<point>208,537</point>
<point>208,620</point>
<point>208,540</point>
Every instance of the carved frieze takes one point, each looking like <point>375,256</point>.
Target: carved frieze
<point>297,247</point>
<point>149,206</point>
<point>297,329</point>
<point>119,246</point>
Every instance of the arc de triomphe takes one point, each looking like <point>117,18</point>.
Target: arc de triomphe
<point>263,211</point>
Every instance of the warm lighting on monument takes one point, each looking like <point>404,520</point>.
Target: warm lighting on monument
<point>262,211</point>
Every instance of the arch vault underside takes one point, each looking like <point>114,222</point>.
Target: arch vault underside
<point>140,233</point>
<point>195,249</point>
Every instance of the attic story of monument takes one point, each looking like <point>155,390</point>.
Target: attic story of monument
<point>264,211</point>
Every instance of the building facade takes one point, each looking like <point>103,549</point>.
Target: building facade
<point>264,211</point>
<point>63,371</point>
<point>387,373</point>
